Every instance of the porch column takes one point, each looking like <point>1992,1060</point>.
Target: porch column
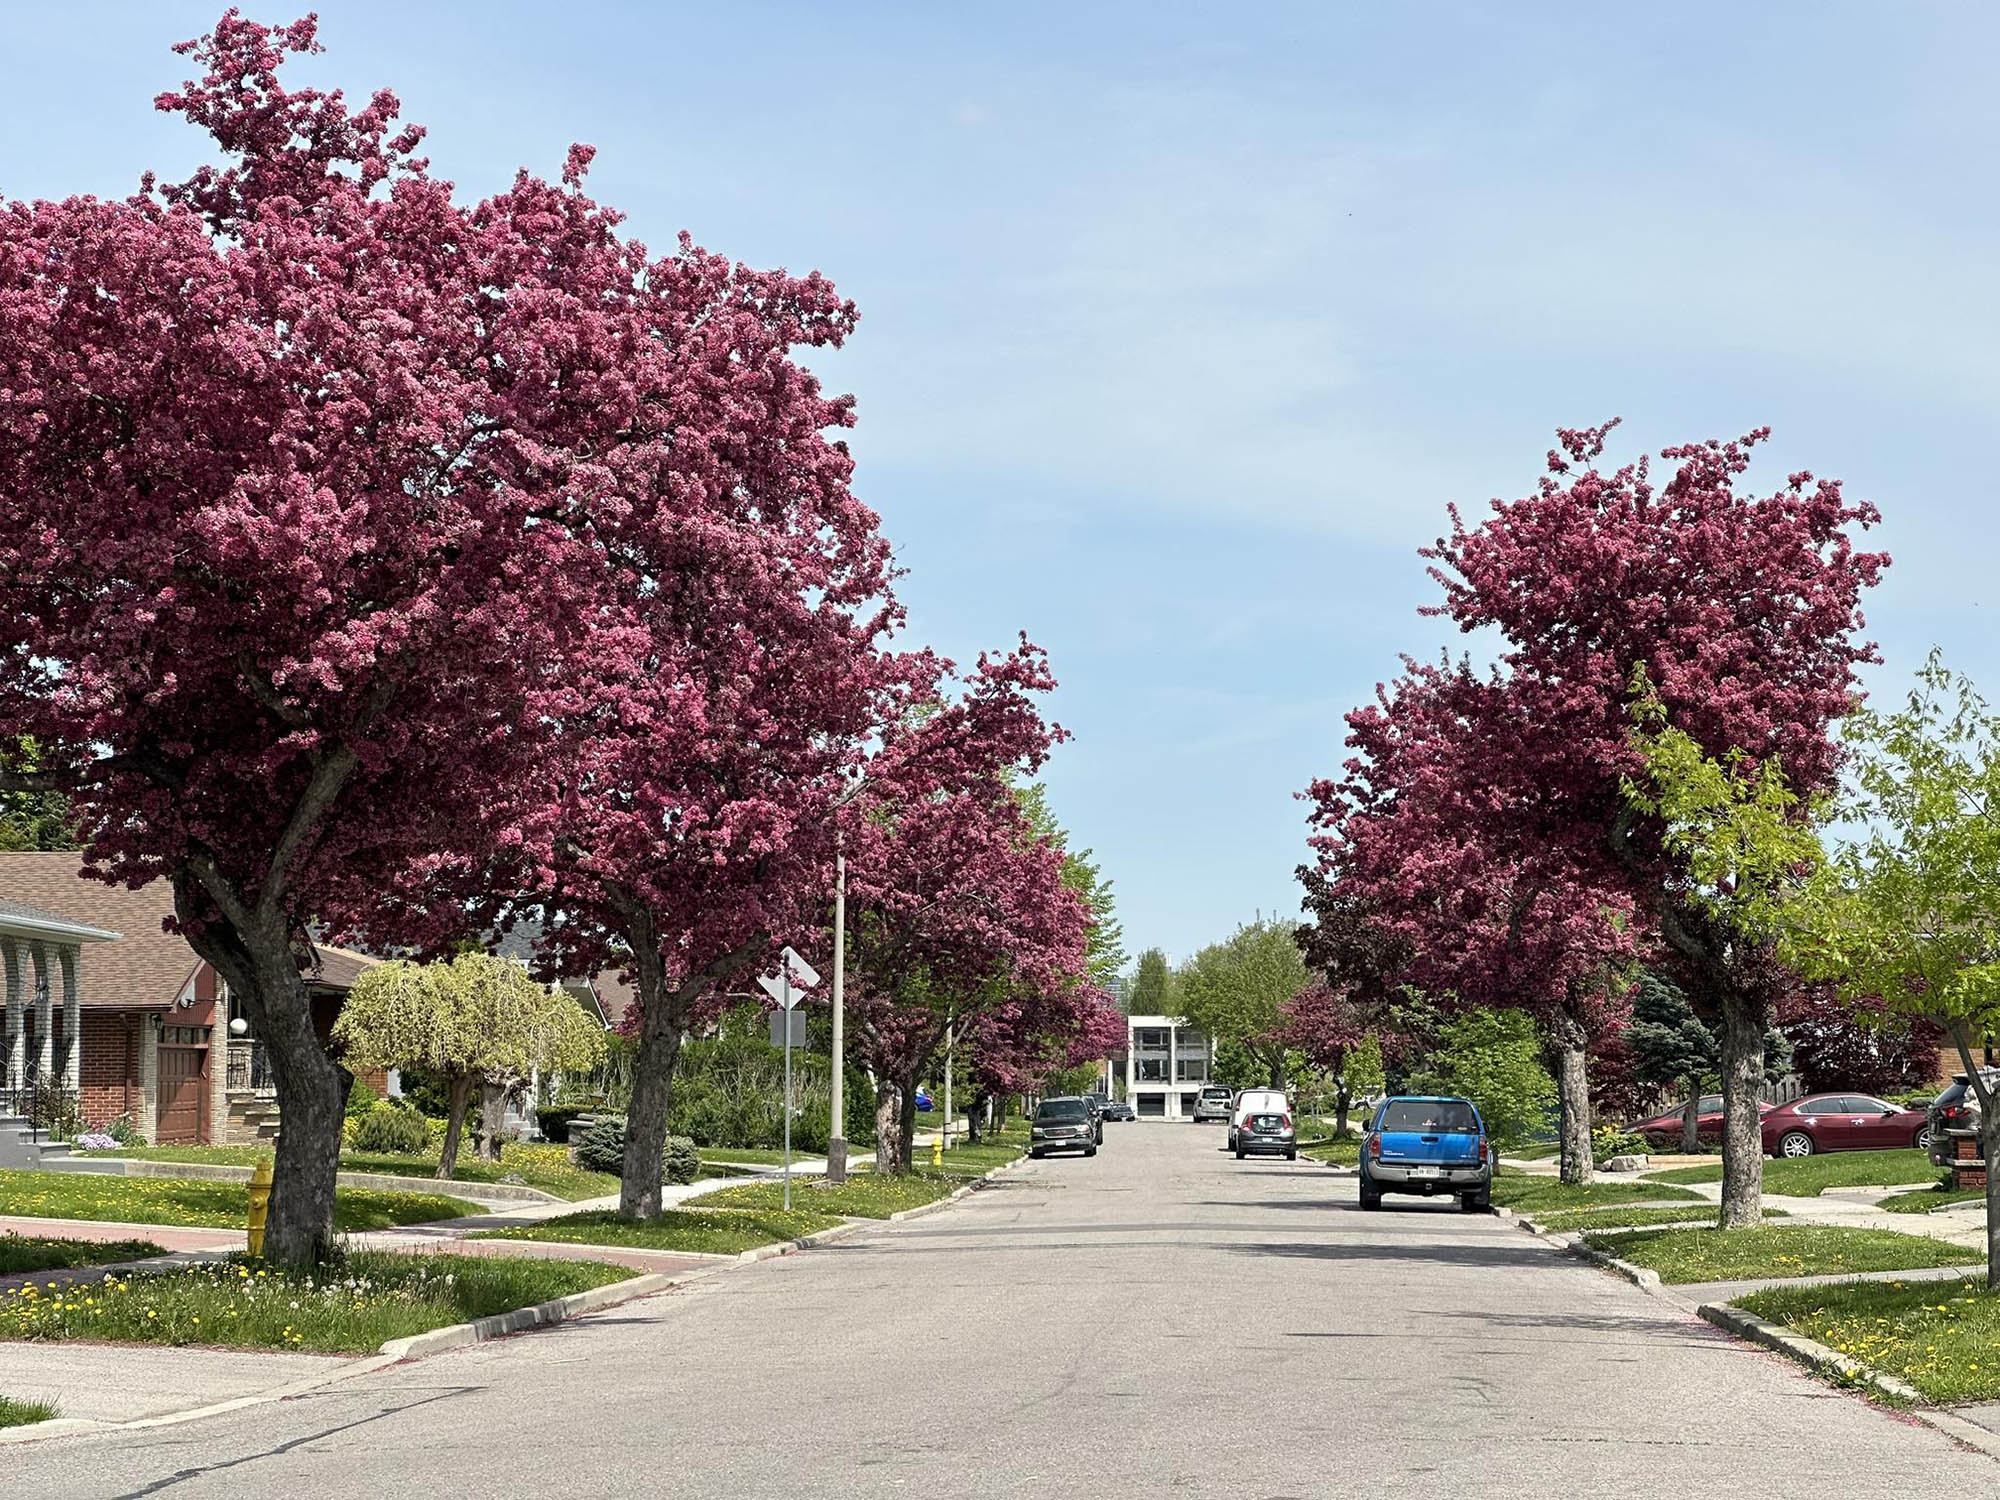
<point>218,1073</point>
<point>17,1036</point>
<point>45,1014</point>
<point>71,960</point>
<point>148,1121</point>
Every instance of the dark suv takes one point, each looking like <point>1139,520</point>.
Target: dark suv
<point>1957,1108</point>
<point>1062,1125</point>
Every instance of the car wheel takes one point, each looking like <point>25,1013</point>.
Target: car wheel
<point>1371,1198</point>
<point>1239,1153</point>
<point>1795,1144</point>
<point>1090,1151</point>
<point>1923,1140</point>
<point>1474,1203</point>
<point>1035,1153</point>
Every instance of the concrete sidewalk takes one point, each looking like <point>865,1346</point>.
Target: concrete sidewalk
<point>127,1382</point>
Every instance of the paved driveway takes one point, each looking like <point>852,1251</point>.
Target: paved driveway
<point>1159,1320</point>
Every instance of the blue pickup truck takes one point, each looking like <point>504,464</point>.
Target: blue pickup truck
<point>1428,1146</point>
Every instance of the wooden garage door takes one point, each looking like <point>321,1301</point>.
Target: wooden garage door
<point>183,1099</point>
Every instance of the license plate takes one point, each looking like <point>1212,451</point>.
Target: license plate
<point>1426,1171</point>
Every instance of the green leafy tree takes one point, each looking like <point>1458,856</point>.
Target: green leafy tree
<point>1493,1058</point>
<point>31,820</point>
<point>1152,992</point>
<point>1905,917</point>
<point>1740,844</point>
<point>1236,990</point>
<point>477,1020</point>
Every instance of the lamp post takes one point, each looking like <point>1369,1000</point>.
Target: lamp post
<point>836,1145</point>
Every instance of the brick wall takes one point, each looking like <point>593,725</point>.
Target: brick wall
<point>111,1067</point>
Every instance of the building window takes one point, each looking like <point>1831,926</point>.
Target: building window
<point>1194,1070</point>
<point>1150,1038</point>
<point>1153,1070</point>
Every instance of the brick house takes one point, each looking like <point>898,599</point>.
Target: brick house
<point>84,958</point>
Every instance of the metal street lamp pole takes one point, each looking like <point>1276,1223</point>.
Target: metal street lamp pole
<point>836,1146</point>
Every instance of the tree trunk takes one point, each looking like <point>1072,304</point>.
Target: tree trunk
<point>492,1114</point>
<point>1691,1119</point>
<point>258,964</point>
<point>1343,1101</point>
<point>891,1148</point>
<point>454,1123</point>
<point>1573,1084</point>
<point>972,1121</point>
<point>1742,1126</point>
<point>660,1026</point>
<point>1278,1070</point>
<point>1989,1148</point>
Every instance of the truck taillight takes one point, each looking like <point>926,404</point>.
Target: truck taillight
<point>1375,1147</point>
<point>1482,1148</point>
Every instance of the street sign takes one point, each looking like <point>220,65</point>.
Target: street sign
<point>778,1018</point>
<point>802,975</point>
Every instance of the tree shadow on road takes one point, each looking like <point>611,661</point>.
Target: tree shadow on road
<point>1455,1254</point>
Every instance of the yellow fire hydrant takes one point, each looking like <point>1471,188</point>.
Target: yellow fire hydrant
<point>260,1203</point>
<point>937,1152</point>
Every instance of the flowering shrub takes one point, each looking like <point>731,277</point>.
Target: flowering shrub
<point>97,1140</point>
<point>355,1306</point>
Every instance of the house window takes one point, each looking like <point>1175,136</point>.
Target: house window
<point>1194,1070</point>
<point>1150,1038</point>
<point>1153,1070</point>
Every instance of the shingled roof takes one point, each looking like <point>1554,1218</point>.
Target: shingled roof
<point>147,967</point>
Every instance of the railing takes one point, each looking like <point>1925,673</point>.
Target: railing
<point>250,1069</point>
<point>49,1108</point>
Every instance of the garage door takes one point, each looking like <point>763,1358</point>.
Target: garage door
<point>183,1096</point>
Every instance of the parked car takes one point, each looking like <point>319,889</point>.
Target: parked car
<point>1095,1104</point>
<point>1663,1131</point>
<point>1843,1122</point>
<point>1212,1103</point>
<point>1956,1108</point>
<point>1120,1109</point>
<point>1427,1145</point>
<point>925,1104</point>
<point>1062,1124</point>
<point>1262,1122</point>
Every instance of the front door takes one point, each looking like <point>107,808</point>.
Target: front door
<point>183,1118</point>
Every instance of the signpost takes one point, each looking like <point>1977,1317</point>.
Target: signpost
<point>794,974</point>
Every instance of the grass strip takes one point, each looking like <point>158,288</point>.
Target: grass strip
<point>1930,1200</point>
<point>696,1231</point>
<point>24,1252</point>
<point>1685,1255</point>
<point>862,1196</point>
<point>1808,1177</point>
<point>1636,1218</point>
<point>1538,1194</point>
<point>349,1308</point>
<point>1340,1151</point>
<point>1943,1337</point>
<point>20,1413</point>
<point>185,1201</point>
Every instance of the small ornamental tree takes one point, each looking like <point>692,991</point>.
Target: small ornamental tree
<point>300,461</point>
<point>477,1020</point>
<point>1672,1048</point>
<point>1905,918</point>
<point>1328,1028</point>
<point>1740,842</point>
<point>1237,990</point>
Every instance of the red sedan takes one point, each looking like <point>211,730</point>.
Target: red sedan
<point>1843,1122</point>
<point>1663,1131</point>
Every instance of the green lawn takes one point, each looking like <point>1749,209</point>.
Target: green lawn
<point>1683,1255</point>
<point>20,1413</point>
<point>1941,1337</point>
<point>537,1165</point>
<point>1338,1151</point>
<point>1634,1218</point>
<point>1810,1176</point>
<point>689,1230</point>
<point>1539,1194</point>
<point>21,1252</point>
<point>864,1195</point>
<point>177,1200</point>
<point>1930,1200</point>
<point>348,1309</point>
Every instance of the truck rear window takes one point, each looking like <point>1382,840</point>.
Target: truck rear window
<point>1429,1117</point>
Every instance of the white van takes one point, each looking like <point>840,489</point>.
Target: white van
<point>1257,1102</point>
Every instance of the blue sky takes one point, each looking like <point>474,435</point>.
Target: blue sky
<point>1182,324</point>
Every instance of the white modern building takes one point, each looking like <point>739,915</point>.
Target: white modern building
<point>1165,1063</point>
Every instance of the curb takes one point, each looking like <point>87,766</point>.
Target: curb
<point>561,1309</point>
<point>515,1193</point>
<point>1808,1352</point>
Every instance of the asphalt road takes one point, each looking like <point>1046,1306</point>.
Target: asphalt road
<point>1159,1320</point>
